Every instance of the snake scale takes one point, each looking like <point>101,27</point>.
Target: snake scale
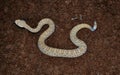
<point>55,52</point>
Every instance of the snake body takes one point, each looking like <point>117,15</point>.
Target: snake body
<point>55,52</point>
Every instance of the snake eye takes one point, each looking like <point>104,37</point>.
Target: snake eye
<point>94,27</point>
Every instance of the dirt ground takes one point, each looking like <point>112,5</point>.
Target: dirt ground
<point>19,54</point>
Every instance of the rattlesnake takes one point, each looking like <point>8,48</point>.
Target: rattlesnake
<point>55,52</point>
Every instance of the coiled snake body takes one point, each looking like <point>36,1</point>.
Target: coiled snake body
<point>82,47</point>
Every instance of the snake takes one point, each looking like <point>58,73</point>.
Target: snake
<point>56,52</point>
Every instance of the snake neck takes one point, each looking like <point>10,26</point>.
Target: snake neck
<point>73,34</point>
<point>45,34</point>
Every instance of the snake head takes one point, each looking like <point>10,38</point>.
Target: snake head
<point>20,23</point>
<point>94,27</point>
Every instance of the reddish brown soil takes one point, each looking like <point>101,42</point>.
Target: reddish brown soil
<point>19,54</point>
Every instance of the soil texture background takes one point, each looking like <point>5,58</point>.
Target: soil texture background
<point>19,53</point>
